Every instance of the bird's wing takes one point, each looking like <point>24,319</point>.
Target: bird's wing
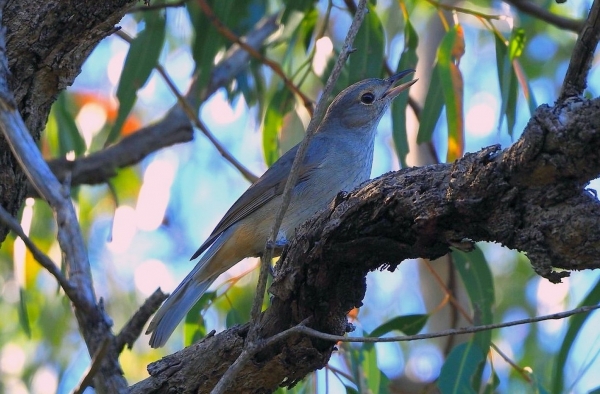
<point>268,186</point>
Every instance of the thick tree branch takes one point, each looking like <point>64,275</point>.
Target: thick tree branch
<point>583,54</point>
<point>530,197</point>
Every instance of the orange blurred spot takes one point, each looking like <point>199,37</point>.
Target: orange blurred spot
<point>132,124</point>
<point>353,314</point>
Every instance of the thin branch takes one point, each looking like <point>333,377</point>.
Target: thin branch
<point>38,255</point>
<point>132,330</point>
<point>195,119</point>
<point>466,11</point>
<point>294,171</point>
<point>250,345</point>
<point>93,368</point>
<point>541,13</point>
<point>157,6</point>
<point>302,329</point>
<point>230,35</point>
<point>582,56</point>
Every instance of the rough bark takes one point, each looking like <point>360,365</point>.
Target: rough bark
<point>531,197</point>
<point>46,45</point>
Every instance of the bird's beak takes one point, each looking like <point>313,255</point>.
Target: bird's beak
<point>393,91</point>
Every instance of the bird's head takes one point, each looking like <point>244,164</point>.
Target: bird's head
<point>362,105</point>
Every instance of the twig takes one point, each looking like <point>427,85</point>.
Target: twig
<point>38,255</point>
<point>248,352</point>
<point>456,331</point>
<point>583,54</point>
<point>93,368</point>
<point>134,327</point>
<point>193,116</point>
<point>157,6</point>
<point>292,178</point>
<point>195,119</point>
<point>539,12</point>
<point>250,344</point>
<point>227,33</point>
<point>466,11</point>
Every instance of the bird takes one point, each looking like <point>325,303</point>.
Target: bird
<point>339,157</point>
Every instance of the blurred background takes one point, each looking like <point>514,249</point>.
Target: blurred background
<point>143,226</point>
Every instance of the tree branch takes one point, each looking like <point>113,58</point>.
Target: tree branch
<point>541,13</point>
<point>530,197</point>
<point>134,327</point>
<point>582,56</point>
<point>95,326</point>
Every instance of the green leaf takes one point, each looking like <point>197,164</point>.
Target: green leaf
<point>408,59</point>
<point>370,370</point>
<point>505,54</point>
<point>194,327</point>
<point>302,6</point>
<point>281,103</point>
<point>407,324</point>
<point>233,317</point>
<point>432,109</point>
<point>536,385</point>
<point>367,61</point>
<point>576,322</point>
<point>477,278</point>
<point>490,387</point>
<point>451,49</point>
<point>69,137</point>
<point>23,315</point>
<point>140,61</point>
<point>457,372</point>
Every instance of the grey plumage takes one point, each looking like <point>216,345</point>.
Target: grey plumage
<point>339,158</point>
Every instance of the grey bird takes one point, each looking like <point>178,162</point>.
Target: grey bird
<point>339,158</point>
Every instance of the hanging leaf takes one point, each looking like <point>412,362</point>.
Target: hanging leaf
<point>507,78</point>
<point>281,104</point>
<point>432,109</point>
<point>451,49</point>
<point>194,327</point>
<point>478,281</point>
<point>371,372</point>
<point>140,61</point>
<point>576,323</point>
<point>69,137</point>
<point>457,371</point>
<point>408,59</point>
<point>367,61</point>
<point>407,324</point>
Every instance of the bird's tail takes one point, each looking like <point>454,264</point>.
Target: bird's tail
<point>175,308</point>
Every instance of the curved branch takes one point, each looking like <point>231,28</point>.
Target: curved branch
<point>541,13</point>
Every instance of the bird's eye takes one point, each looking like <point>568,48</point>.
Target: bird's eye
<point>367,98</point>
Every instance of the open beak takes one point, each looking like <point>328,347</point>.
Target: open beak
<point>393,91</point>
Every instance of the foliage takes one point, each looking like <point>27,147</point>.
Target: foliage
<point>486,74</point>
